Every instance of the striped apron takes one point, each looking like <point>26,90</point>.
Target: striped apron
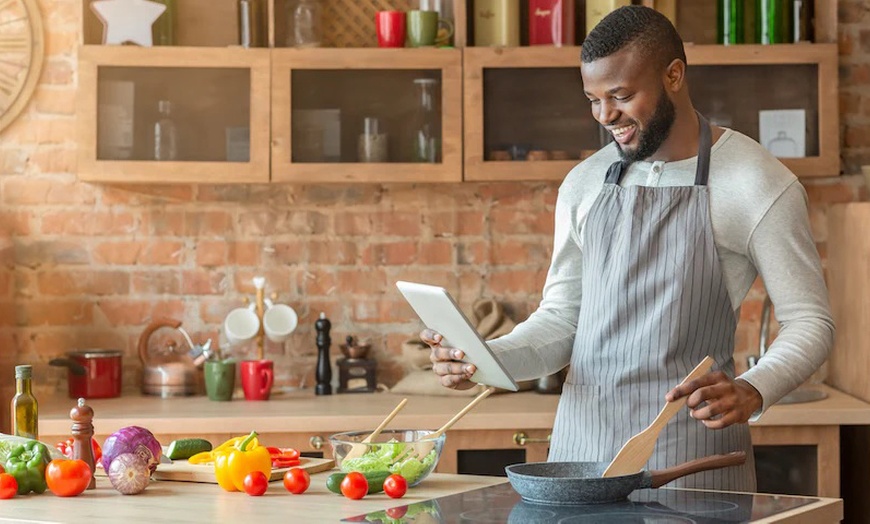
<point>654,305</point>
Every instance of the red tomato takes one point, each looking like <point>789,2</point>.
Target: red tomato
<point>2,470</point>
<point>397,512</point>
<point>67,478</point>
<point>395,486</point>
<point>297,480</point>
<point>8,486</point>
<point>355,486</point>
<point>66,446</point>
<point>255,483</point>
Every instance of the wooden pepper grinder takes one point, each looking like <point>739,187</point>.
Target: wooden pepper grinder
<point>324,372</point>
<point>82,433</point>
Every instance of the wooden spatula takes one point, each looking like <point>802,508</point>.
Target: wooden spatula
<point>421,449</point>
<point>636,452</point>
<point>360,448</point>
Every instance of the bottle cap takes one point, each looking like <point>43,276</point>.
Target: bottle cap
<point>25,371</point>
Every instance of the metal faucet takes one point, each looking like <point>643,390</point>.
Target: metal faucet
<point>765,329</point>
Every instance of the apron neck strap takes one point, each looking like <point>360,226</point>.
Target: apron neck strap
<point>702,169</point>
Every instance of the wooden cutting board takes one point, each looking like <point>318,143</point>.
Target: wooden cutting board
<point>184,471</point>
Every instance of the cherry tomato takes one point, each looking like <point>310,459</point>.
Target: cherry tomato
<point>66,446</point>
<point>297,480</point>
<point>395,486</point>
<point>397,512</point>
<point>355,486</point>
<point>67,478</point>
<point>255,483</point>
<point>8,486</point>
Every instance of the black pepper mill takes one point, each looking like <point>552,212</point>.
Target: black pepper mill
<point>83,433</point>
<point>324,372</point>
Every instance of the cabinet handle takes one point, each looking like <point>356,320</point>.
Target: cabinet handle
<point>316,442</point>
<point>521,439</point>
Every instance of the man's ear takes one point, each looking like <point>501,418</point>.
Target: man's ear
<point>675,75</point>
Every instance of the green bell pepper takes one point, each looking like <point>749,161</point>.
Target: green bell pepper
<point>27,463</point>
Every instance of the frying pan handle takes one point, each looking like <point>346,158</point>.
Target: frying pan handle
<point>663,476</point>
<point>74,367</point>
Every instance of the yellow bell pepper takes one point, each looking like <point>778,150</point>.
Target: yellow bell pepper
<point>207,457</point>
<point>232,464</point>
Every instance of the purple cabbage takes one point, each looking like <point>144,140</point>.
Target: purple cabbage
<point>131,439</point>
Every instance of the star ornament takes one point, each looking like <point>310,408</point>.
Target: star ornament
<point>127,20</point>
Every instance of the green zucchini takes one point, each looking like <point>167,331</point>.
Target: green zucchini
<point>375,479</point>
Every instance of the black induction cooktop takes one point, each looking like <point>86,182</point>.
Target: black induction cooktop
<point>499,504</point>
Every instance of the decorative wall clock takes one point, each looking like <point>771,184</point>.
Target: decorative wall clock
<point>22,47</point>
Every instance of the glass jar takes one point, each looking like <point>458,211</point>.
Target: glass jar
<point>427,122</point>
<point>165,133</point>
<point>304,23</point>
<point>372,145</point>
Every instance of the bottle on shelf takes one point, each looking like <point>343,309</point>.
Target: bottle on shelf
<point>24,408</point>
<point>729,22</point>
<point>304,23</point>
<point>427,122</point>
<point>772,22</point>
<point>801,21</point>
<point>163,30</point>
<point>165,133</point>
<point>252,23</point>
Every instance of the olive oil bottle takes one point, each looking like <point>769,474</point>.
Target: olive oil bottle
<point>24,409</point>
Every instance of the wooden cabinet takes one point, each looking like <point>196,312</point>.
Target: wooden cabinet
<point>498,108</point>
<point>526,117</point>
<point>217,102</point>
<point>323,100</point>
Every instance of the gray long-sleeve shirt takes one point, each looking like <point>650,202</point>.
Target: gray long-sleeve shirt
<point>760,226</point>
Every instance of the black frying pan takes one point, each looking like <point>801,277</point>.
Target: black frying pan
<point>574,483</point>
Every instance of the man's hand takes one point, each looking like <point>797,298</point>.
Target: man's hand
<point>728,401</point>
<point>445,362</point>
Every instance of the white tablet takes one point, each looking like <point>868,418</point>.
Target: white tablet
<point>437,309</point>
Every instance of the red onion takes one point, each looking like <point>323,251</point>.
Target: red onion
<point>126,440</point>
<point>129,473</point>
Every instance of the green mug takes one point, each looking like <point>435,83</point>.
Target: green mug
<point>422,28</point>
<point>220,379</point>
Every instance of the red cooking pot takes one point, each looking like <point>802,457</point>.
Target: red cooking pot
<point>94,373</point>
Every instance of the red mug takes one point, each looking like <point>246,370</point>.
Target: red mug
<point>257,377</point>
<point>391,28</point>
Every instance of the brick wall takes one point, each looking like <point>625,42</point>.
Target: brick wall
<point>87,266</point>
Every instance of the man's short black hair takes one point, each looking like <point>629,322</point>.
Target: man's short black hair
<point>645,28</point>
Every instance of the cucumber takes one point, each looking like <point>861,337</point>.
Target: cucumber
<point>184,448</point>
<point>375,479</point>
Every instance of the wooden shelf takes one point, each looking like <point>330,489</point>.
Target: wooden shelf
<point>360,83</point>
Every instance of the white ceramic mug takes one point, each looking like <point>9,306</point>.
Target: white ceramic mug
<point>279,321</point>
<point>241,325</point>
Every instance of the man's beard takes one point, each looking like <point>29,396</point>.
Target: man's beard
<point>654,133</point>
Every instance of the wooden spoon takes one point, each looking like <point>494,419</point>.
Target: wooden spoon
<point>426,446</point>
<point>636,452</point>
<point>360,448</point>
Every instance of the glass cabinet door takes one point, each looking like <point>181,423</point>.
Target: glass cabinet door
<point>165,116</point>
<point>366,115</point>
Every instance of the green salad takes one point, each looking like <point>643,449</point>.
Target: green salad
<point>383,458</point>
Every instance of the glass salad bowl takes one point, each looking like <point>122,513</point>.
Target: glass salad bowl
<point>412,453</point>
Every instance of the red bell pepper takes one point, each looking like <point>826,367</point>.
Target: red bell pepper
<point>284,457</point>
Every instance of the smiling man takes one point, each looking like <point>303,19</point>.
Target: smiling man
<point>658,238</point>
